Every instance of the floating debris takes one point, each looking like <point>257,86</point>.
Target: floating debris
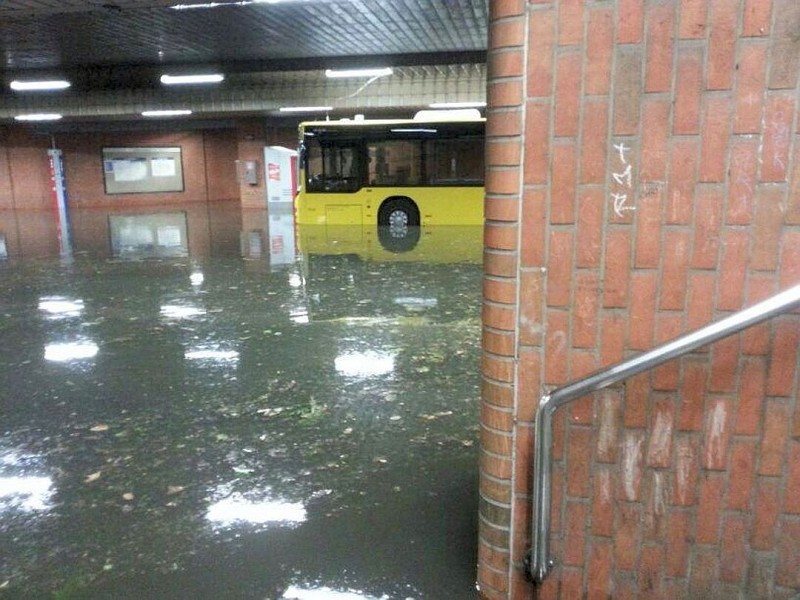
<point>438,415</point>
<point>99,428</point>
<point>271,412</point>
<point>92,477</point>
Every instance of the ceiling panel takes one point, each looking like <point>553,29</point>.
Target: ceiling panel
<point>33,34</point>
<point>110,48</point>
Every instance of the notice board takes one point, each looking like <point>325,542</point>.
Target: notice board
<point>145,170</point>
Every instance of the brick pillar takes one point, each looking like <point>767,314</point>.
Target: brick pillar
<point>643,180</point>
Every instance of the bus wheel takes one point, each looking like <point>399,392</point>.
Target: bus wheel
<point>397,244</point>
<point>398,214</point>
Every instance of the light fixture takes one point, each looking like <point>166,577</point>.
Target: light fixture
<point>378,72</point>
<point>191,79</point>
<point>305,108</point>
<point>412,130</point>
<point>166,113</point>
<point>457,105</point>
<point>38,117</point>
<point>38,86</point>
<point>218,4</point>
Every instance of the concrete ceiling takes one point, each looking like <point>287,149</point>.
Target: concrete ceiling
<point>273,54</point>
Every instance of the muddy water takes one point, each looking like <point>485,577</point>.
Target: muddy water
<point>203,425</point>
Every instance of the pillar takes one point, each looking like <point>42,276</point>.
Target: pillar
<point>643,180</point>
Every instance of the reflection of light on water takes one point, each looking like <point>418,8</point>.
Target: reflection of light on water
<point>238,509</point>
<point>364,364</point>
<point>413,303</point>
<point>26,493</point>
<point>197,278</point>
<point>60,307</point>
<point>295,280</point>
<point>172,311</point>
<point>299,315</point>
<point>70,351</point>
<point>212,354</point>
<point>325,593</point>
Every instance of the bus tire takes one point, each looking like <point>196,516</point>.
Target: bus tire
<point>398,214</point>
<point>397,244</point>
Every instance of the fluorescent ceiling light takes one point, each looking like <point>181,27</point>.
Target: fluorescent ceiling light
<point>218,4</point>
<point>455,114</point>
<point>305,108</point>
<point>39,117</point>
<point>413,130</point>
<point>457,105</point>
<point>379,72</point>
<point>165,113</point>
<point>189,79</point>
<point>32,86</point>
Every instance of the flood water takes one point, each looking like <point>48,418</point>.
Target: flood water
<point>213,410</point>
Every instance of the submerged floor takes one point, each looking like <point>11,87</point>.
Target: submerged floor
<point>208,426</point>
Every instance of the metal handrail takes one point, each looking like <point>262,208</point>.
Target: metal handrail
<point>539,562</point>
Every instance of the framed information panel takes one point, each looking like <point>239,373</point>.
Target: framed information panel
<point>145,170</point>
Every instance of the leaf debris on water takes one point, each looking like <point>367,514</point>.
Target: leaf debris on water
<point>438,415</point>
<point>271,412</point>
<point>92,477</point>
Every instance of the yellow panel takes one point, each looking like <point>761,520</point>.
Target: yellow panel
<point>437,205</point>
<point>343,214</point>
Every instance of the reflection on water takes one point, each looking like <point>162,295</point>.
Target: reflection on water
<point>67,351</point>
<point>364,364</point>
<point>235,509</point>
<point>61,308</point>
<point>325,593</point>
<point>181,312</point>
<point>222,426</point>
<point>23,487</point>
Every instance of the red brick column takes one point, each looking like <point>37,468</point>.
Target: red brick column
<point>643,179</point>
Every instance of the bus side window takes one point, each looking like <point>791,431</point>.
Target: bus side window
<point>313,164</point>
<point>396,162</point>
<point>454,161</point>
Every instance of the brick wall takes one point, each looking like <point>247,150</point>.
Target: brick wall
<point>208,157</point>
<point>643,179</point>
<point>83,168</point>
<point>24,170</point>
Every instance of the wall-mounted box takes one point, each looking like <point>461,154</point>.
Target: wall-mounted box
<point>247,171</point>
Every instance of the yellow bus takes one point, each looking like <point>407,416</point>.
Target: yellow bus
<point>402,173</point>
